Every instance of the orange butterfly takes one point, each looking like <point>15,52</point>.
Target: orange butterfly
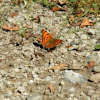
<point>48,41</point>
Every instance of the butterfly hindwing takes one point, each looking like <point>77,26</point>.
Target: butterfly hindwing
<point>54,43</point>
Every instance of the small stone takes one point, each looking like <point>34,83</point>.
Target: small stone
<point>62,82</point>
<point>31,81</point>
<point>95,77</point>
<point>46,21</point>
<point>75,98</point>
<point>84,37</point>
<point>72,36</point>
<point>97,69</point>
<point>73,77</point>
<point>9,93</point>
<point>1,96</point>
<point>15,98</point>
<point>69,40</point>
<point>0,80</point>
<point>98,41</point>
<point>6,99</point>
<point>56,70</point>
<point>71,95</point>
<point>18,39</point>
<point>10,19</point>
<point>72,89</point>
<point>96,96</point>
<point>76,65</point>
<point>2,72</point>
<point>91,32</point>
<point>34,97</point>
<point>16,70</point>
<point>91,92</point>
<point>35,26</point>
<point>93,41</point>
<point>48,78</point>
<point>21,89</point>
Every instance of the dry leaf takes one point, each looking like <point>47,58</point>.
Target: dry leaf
<point>28,35</point>
<point>2,60</point>
<point>37,19</point>
<point>90,64</point>
<point>54,1</point>
<point>80,14</point>
<point>86,22</point>
<point>51,88</point>
<point>0,1</point>
<point>14,14</point>
<point>39,40</point>
<point>58,8</point>
<point>27,26</point>
<point>60,67</point>
<point>68,46</point>
<point>71,18</point>
<point>55,8</point>
<point>10,28</point>
<point>62,2</point>
<point>76,24</point>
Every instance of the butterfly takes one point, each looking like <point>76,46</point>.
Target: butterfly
<point>48,41</point>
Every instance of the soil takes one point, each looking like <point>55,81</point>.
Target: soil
<point>24,64</point>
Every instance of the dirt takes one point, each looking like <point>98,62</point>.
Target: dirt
<point>24,62</point>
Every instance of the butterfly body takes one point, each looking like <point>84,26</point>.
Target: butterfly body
<point>48,41</point>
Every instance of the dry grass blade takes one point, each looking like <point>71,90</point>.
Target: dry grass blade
<point>60,67</point>
<point>39,54</point>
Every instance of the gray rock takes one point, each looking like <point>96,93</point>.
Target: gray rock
<point>34,97</point>
<point>73,77</point>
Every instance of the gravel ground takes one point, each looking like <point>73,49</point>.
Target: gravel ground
<point>23,64</point>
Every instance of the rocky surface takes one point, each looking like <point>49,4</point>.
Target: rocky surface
<point>23,64</point>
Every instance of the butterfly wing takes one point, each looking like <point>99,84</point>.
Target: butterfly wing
<point>54,43</point>
<point>46,37</point>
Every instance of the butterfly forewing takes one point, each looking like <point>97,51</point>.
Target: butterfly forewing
<point>46,37</point>
<point>49,42</point>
